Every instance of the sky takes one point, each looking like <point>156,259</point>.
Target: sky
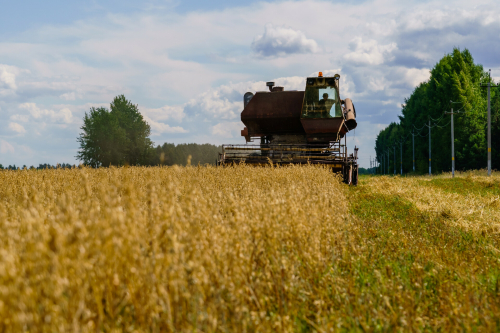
<point>187,64</point>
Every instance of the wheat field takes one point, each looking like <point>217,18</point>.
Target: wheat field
<point>243,249</point>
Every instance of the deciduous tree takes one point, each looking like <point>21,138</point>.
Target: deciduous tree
<point>116,137</point>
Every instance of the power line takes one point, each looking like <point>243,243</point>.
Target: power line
<point>436,120</point>
<point>443,125</point>
<point>420,134</point>
<point>415,127</point>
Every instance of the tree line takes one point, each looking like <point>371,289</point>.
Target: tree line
<point>454,83</point>
<point>39,167</point>
<point>120,136</point>
<point>170,154</point>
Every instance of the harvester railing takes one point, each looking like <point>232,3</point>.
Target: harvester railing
<point>284,153</point>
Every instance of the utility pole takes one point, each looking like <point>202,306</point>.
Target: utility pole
<point>388,160</point>
<point>383,164</point>
<point>488,85</point>
<point>401,152</point>
<point>394,159</point>
<point>430,173</point>
<point>452,144</point>
<point>413,150</point>
<point>489,125</point>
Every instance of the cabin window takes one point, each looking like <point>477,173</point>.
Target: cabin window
<point>321,102</point>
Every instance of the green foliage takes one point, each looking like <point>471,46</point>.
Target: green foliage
<point>366,171</point>
<point>454,78</point>
<point>170,154</point>
<point>116,137</point>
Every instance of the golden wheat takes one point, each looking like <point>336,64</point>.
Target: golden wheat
<point>165,249</point>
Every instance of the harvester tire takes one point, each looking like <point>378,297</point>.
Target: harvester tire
<point>348,175</point>
<point>354,175</point>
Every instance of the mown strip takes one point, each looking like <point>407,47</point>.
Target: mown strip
<point>465,186</point>
<point>430,274</point>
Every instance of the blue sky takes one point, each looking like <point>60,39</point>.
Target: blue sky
<point>18,16</point>
<point>187,64</point>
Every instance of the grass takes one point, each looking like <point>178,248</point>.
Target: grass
<point>482,187</point>
<point>447,275</point>
<point>242,249</point>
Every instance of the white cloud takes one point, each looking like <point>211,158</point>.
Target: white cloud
<point>71,96</point>
<point>17,128</point>
<point>68,96</point>
<point>227,129</point>
<point>8,77</point>
<point>413,76</point>
<point>20,117</point>
<point>280,41</point>
<point>6,147</point>
<point>63,115</point>
<point>215,104</point>
<point>32,108</point>
<point>166,112</point>
<point>160,128</point>
<point>423,19</point>
<point>289,83</point>
<point>369,52</point>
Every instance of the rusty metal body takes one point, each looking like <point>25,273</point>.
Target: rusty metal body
<point>273,114</point>
<point>296,127</point>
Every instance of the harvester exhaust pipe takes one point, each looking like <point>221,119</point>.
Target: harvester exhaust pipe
<point>350,115</point>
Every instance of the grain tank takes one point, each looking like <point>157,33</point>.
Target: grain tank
<point>297,127</point>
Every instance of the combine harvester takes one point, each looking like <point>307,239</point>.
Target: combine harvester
<point>297,127</point>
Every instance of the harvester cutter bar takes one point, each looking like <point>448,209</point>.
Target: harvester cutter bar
<point>278,148</point>
<point>284,153</point>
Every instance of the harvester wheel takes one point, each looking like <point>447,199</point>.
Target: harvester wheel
<point>354,175</point>
<point>347,173</point>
